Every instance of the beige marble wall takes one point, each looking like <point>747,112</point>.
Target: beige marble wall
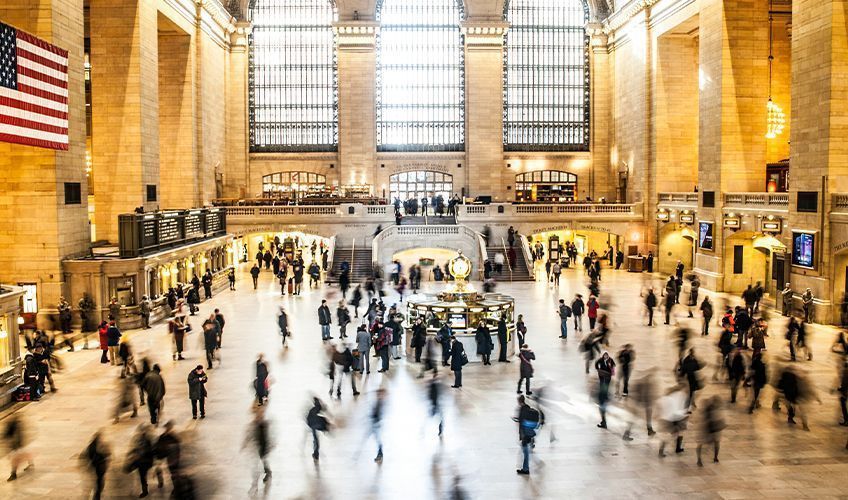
<point>37,230</point>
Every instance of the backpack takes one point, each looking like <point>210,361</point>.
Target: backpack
<point>532,423</point>
<point>565,311</point>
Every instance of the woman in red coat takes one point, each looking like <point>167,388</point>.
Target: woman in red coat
<point>104,347</point>
<point>592,307</point>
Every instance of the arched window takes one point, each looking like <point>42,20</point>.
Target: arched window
<point>419,184</point>
<point>546,186</point>
<point>292,72</point>
<point>546,76</point>
<point>420,76</point>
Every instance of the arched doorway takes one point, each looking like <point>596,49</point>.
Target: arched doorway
<point>676,242</point>
<point>748,259</point>
<point>420,183</point>
<point>546,186</point>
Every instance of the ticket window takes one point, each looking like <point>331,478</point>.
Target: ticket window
<point>6,329</point>
<point>124,289</point>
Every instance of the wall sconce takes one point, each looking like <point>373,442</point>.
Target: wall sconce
<point>771,224</point>
<point>191,265</point>
<point>732,221</point>
<point>687,217</point>
<point>663,215</point>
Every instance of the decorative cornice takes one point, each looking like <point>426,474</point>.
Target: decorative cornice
<point>238,38</point>
<point>219,14</point>
<point>484,33</point>
<point>356,34</point>
<point>620,17</point>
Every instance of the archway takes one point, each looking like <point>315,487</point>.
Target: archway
<point>748,260</point>
<point>585,240</point>
<point>397,239</point>
<point>426,258</point>
<point>546,186</point>
<point>676,242</point>
<point>419,184</point>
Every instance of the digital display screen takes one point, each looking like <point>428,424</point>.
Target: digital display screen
<point>803,249</point>
<point>457,321</point>
<point>705,235</point>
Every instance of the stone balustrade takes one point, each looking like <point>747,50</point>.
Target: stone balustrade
<point>774,201</point>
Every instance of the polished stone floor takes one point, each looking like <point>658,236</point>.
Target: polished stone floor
<point>761,455</point>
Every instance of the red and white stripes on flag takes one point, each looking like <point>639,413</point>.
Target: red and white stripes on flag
<point>33,90</point>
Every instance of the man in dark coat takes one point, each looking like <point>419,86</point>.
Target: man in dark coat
<point>457,360</point>
<point>211,330</point>
<point>254,273</point>
<point>443,337</point>
<point>207,285</point>
<point>197,391</point>
<point>324,319</point>
<point>154,387</point>
<point>502,340</point>
<point>484,342</point>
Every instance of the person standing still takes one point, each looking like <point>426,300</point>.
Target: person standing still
<point>807,305</point>
<point>457,360</point>
<point>526,369</point>
<point>324,319</point>
<point>197,391</point>
<point>786,297</point>
<point>254,273</point>
<point>577,308</point>
<point>650,305</point>
<point>221,321</point>
<point>483,337</point>
<point>564,313</point>
<point>145,307</point>
<point>503,340</point>
<point>113,341</point>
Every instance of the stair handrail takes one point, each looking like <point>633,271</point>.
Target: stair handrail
<point>484,254</point>
<point>331,255</point>
<point>506,257</point>
<point>525,249</point>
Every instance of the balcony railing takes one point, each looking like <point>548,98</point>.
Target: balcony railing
<point>778,201</point>
<point>678,198</point>
<point>509,210</point>
<point>839,202</point>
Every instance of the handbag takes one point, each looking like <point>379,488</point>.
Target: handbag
<point>464,358</point>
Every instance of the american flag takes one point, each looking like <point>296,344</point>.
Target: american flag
<point>33,91</point>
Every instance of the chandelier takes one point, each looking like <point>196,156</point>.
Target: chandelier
<point>775,117</point>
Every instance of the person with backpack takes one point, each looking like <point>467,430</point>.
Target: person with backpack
<point>564,313</point>
<point>529,421</point>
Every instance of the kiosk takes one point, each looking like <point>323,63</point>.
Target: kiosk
<point>464,308</point>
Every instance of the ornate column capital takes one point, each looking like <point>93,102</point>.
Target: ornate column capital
<point>356,34</point>
<point>484,33</point>
<point>238,37</point>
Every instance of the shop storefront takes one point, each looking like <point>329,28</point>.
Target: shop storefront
<point>10,350</point>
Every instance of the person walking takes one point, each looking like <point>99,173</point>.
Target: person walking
<point>317,422</point>
<point>712,424</point>
<point>260,381</point>
<point>458,359</point>
<point>483,338</point>
<point>626,357</point>
<point>96,455</point>
<point>521,329</point>
<point>231,277</point>
<point>377,422</point>
<point>145,307</point>
<point>736,371</point>
<point>758,379</point>
<point>140,456</point>
<point>283,325</point>
<point>16,436</point>
<point>556,271</point>
<point>564,313</point>
<point>577,309</point>
<point>197,391</point>
<point>382,344</point>
<point>154,387</point>
<point>526,356</point>
<point>650,305</point>
<point>419,338</point>
<point>592,307</point>
<point>254,273</point>
<point>258,437</point>
<point>689,367</point>
<point>210,339</point>
<point>363,345</point>
<point>605,367</point>
<point>674,413</point>
<point>707,312</point>
<point>529,421</point>
<point>324,319</point>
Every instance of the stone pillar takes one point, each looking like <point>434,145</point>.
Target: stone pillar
<point>37,228</point>
<point>733,57</point>
<point>819,137</point>
<point>237,175</point>
<point>357,77</point>
<point>125,108</point>
<point>484,108</point>
<point>177,146</point>
<point>604,175</point>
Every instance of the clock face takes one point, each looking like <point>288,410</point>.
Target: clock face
<point>461,267</point>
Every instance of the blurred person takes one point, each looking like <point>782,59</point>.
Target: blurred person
<point>178,328</point>
<point>503,339</point>
<point>605,367</point>
<point>260,382</point>
<point>125,354</point>
<point>529,421</point>
<point>431,357</point>
<point>644,396</point>
<point>674,414</point>
<point>419,338</point>
<point>736,371</point>
<point>341,365</point>
<point>376,422</point>
<point>342,318</point>
<point>363,345</point>
<point>434,391</point>
<point>757,379</point>
<point>689,367</point>
<point>483,338</point>
<point>802,341</point>
<point>591,347</point>
<point>526,356</point>
<point>458,359</point>
<point>154,387</point>
<point>694,287</point>
<point>759,332</point>
<point>625,356</point>
<point>126,398</point>
<point>197,391</point>
<point>592,307</point>
<point>259,438</point>
<point>356,300</point>
<point>168,447</point>
<point>712,423</point>
<point>283,325</point>
<point>843,393</point>
<point>96,455</point>
<point>795,390</point>
<point>317,422</point>
<point>113,338</point>
<point>140,457</point>
<point>211,331</point>
<point>219,318</point>
<point>670,298</point>
<point>17,439</point>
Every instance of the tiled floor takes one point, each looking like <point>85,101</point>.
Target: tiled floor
<point>761,456</point>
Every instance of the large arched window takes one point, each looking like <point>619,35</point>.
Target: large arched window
<point>546,76</point>
<point>292,71</point>
<point>420,94</point>
<point>420,184</point>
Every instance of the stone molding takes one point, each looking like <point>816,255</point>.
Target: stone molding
<point>356,35</point>
<point>484,34</point>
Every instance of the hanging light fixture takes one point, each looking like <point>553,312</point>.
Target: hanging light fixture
<point>775,117</point>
